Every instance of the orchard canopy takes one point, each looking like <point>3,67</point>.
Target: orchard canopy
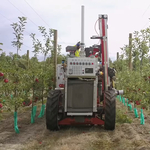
<point>24,80</point>
<point>135,81</point>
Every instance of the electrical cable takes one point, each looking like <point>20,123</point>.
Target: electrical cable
<point>96,30</point>
<point>36,13</point>
<point>145,24</point>
<point>12,22</point>
<point>22,13</point>
<point>41,18</point>
<point>146,10</point>
<point>28,17</point>
<point>95,26</point>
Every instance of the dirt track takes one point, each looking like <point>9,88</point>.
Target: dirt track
<point>35,136</point>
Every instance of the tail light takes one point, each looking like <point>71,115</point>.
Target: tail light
<point>61,85</point>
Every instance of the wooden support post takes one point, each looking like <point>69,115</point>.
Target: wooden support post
<point>130,51</point>
<point>28,58</point>
<point>117,56</point>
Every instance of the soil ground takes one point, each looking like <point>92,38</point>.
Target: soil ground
<point>126,136</point>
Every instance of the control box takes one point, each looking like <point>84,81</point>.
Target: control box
<point>82,67</point>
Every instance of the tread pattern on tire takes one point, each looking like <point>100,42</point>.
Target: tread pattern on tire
<point>52,110</point>
<point>110,110</point>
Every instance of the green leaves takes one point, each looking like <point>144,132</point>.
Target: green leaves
<point>18,32</point>
<point>140,48</point>
<point>135,83</point>
<point>0,48</point>
<point>48,42</point>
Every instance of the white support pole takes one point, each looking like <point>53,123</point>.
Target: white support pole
<point>82,54</point>
<point>82,24</point>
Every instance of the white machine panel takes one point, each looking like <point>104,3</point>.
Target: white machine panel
<point>60,76</point>
<point>84,67</point>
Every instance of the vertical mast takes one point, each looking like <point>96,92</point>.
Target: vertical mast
<point>82,54</point>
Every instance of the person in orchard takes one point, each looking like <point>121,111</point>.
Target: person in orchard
<point>77,52</point>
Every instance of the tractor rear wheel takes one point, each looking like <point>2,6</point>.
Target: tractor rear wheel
<point>52,107</point>
<point>110,110</point>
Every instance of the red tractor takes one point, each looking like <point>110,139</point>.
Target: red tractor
<point>84,94</point>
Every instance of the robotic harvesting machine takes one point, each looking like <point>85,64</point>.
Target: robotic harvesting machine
<point>85,92</point>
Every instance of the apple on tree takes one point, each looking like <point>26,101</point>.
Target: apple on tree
<point>36,99</point>
<point>137,103</point>
<point>6,80</point>
<point>36,80</point>
<point>24,103</point>
<point>1,74</point>
<point>1,105</point>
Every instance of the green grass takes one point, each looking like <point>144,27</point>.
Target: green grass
<point>121,117</point>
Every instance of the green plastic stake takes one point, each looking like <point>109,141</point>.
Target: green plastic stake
<point>127,102</point>
<point>136,113</point>
<point>42,111</point>
<point>15,123</point>
<point>11,96</point>
<point>124,102</point>
<point>130,106</point>
<point>33,113</point>
<point>142,117</point>
<point>120,98</point>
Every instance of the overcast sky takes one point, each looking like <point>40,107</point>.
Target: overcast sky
<point>124,17</point>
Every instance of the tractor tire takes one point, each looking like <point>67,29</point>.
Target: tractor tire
<point>52,107</point>
<point>110,110</point>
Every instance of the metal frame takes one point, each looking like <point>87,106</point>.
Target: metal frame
<point>94,99</point>
<point>80,114</point>
<point>72,121</point>
<point>95,95</point>
<point>104,44</point>
<point>66,85</point>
